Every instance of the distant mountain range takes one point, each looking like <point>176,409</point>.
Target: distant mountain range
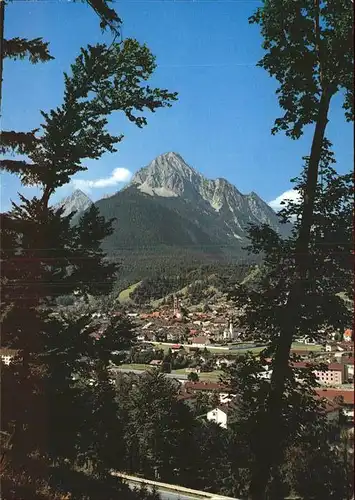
<point>170,209</point>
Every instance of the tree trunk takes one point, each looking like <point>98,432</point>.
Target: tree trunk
<point>270,451</point>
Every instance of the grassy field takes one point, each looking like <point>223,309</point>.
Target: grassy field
<point>135,366</point>
<point>212,376</point>
<point>220,352</point>
<point>296,345</point>
<point>124,295</point>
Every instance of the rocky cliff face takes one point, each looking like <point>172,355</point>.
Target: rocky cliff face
<point>169,176</point>
<point>77,202</point>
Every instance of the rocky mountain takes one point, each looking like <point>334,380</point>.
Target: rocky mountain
<point>77,202</point>
<point>215,206</point>
<point>170,215</point>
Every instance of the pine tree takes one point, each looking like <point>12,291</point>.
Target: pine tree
<point>159,429</point>
<point>309,50</point>
<point>58,403</point>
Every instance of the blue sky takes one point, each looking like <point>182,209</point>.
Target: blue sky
<point>206,51</point>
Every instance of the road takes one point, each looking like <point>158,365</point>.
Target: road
<point>170,495</point>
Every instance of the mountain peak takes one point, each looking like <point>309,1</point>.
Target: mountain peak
<point>78,201</point>
<point>168,175</point>
<point>171,155</point>
<point>78,193</point>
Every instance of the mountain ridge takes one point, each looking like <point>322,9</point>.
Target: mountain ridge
<point>168,176</point>
<point>170,215</point>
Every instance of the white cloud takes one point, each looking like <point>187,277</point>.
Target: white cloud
<point>291,194</point>
<point>117,176</point>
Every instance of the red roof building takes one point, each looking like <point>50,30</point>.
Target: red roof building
<point>331,394</point>
<point>334,375</point>
<point>348,335</point>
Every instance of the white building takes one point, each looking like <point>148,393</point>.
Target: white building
<point>221,415</point>
<point>265,374</point>
<point>349,368</point>
<point>224,362</point>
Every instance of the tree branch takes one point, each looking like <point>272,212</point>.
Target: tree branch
<point>108,17</point>
<point>18,142</point>
<point>35,50</point>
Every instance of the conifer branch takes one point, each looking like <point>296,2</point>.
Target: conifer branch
<point>35,50</point>
<point>108,17</point>
<point>18,142</point>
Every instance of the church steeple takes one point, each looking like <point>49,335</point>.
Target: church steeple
<point>177,308</point>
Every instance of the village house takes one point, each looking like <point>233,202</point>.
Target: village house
<point>335,375</point>
<point>302,353</point>
<point>345,399</point>
<point>349,368</point>
<point>209,388</point>
<point>132,315</point>
<point>177,347</point>
<point>199,341</point>
<point>220,362</point>
<point>150,337</point>
<point>172,336</point>
<point>305,340</point>
<point>348,335</point>
<point>156,362</point>
<point>197,369</point>
<point>266,374</point>
<point>222,415</point>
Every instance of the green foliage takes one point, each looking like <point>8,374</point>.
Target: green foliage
<point>166,367</point>
<point>315,470</point>
<point>159,428</point>
<point>196,279</point>
<point>67,437</point>
<point>304,433</point>
<point>268,309</point>
<point>35,50</point>
<point>193,377</point>
<point>108,16</point>
<point>338,337</point>
<point>329,264</point>
<point>309,49</point>
<point>103,80</point>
